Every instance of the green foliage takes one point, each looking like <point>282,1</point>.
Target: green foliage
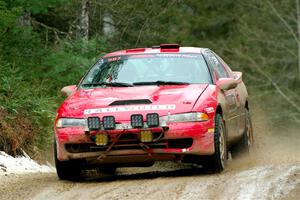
<point>29,100</point>
<point>8,17</point>
<point>35,6</point>
<point>58,71</point>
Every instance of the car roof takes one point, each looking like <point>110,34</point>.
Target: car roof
<point>165,48</point>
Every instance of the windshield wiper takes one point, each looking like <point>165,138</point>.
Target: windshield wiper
<point>161,83</point>
<point>112,84</point>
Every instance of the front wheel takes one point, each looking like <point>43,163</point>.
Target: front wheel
<point>217,161</point>
<point>67,170</point>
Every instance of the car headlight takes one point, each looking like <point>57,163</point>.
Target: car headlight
<point>69,122</point>
<point>185,117</point>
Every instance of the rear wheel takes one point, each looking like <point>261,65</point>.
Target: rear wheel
<point>67,170</point>
<point>217,161</point>
<point>246,142</point>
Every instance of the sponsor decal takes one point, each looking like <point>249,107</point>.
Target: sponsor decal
<point>129,109</point>
<point>111,59</point>
<point>209,110</point>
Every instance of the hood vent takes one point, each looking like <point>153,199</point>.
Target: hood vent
<point>130,102</point>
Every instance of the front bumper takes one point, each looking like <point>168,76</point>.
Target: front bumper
<point>179,139</point>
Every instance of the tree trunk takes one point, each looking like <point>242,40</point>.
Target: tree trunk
<point>84,19</point>
<point>108,25</point>
<point>298,23</point>
<point>24,20</point>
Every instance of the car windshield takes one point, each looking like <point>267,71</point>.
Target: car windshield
<point>148,69</point>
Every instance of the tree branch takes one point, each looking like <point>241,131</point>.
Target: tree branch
<point>35,22</point>
<point>284,22</point>
<point>275,85</point>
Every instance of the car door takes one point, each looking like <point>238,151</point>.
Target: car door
<point>241,94</point>
<point>229,96</point>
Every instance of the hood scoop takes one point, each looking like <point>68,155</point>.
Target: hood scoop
<point>130,102</point>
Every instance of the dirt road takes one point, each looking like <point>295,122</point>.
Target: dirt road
<point>163,181</point>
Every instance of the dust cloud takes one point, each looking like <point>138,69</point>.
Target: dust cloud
<point>274,145</point>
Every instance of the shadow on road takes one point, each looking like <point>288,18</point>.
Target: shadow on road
<point>145,175</point>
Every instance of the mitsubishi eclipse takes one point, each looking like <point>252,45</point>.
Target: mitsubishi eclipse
<point>165,103</point>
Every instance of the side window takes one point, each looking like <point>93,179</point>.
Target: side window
<point>227,68</point>
<point>215,64</point>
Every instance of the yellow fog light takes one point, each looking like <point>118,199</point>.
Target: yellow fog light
<point>101,139</point>
<point>146,136</point>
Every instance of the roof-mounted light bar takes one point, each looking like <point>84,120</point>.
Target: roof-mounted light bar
<point>169,46</point>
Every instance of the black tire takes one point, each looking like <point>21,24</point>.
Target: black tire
<point>246,142</point>
<point>67,170</point>
<point>217,161</point>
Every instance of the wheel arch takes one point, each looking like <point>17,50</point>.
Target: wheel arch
<point>219,110</point>
<point>247,105</point>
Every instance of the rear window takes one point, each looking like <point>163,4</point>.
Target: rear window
<point>189,68</point>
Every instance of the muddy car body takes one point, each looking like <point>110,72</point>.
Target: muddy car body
<point>138,106</point>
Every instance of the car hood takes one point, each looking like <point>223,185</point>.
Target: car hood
<point>165,99</point>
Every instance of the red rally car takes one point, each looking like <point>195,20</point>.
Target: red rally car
<point>165,103</point>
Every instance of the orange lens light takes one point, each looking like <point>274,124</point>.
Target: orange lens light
<point>202,116</point>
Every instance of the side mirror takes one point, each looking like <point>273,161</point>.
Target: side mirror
<point>68,90</point>
<point>237,75</point>
<point>227,83</point>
